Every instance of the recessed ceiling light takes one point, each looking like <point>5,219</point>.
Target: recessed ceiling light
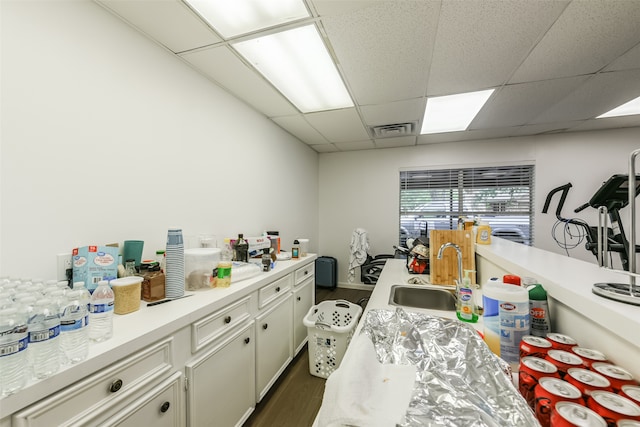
<point>298,64</point>
<point>453,112</point>
<point>630,108</point>
<point>234,17</point>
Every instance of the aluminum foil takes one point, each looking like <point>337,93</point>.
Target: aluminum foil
<point>459,381</point>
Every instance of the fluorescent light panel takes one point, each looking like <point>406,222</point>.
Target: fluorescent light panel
<point>630,108</point>
<point>297,63</point>
<point>234,17</point>
<point>453,112</point>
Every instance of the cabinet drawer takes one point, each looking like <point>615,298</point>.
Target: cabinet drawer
<point>274,290</point>
<point>71,405</point>
<point>304,273</point>
<point>213,326</point>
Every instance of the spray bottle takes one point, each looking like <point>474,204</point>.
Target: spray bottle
<point>465,306</point>
<point>539,310</point>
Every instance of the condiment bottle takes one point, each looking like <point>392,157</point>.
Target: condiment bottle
<point>266,260</point>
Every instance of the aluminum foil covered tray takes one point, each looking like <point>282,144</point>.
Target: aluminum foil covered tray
<point>459,381</point>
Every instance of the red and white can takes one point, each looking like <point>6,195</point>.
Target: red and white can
<point>628,423</point>
<point>569,414</point>
<point>530,345</point>
<point>617,375</point>
<point>631,392</point>
<point>549,392</point>
<point>564,360</point>
<point>613,407</point>
<point>561,341</point>
<point>587,381</point>
<point>530,371</point>
<point>589,356</point>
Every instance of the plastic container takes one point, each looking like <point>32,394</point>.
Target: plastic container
<point>483,236</point>
<point>506,319</point>
<point>198,266</point>
<point>224,274</point>
<point>539,310</point>
<point>101,313</point>
<point>330,326</point>
<point>127,294</point>
<point>465,304</point>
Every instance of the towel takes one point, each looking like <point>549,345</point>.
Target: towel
<point>362,392</point>
<point>359,249</point>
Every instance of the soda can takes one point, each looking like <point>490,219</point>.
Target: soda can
<point>631,392</point>
<point>613,407</point>
<point>587,381</point>
<point>530,345</point>
<point>569,414</point>
<point>550,391</point>
<point>628,423</point>
<point>564,361</point>
<point>617,375</point>
<point>561,342</point>
<point>529,373</point>
<point>589,356</point>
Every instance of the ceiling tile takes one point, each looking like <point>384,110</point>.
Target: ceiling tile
<point>357,145</point>
<point>301,129</point>
<point>596,96</point>
<point>325,148</point>
<point>402,141</point>
<point>518,104</point>
<point>544,128</point>
<point>466,135</point>
<point>384,50</point>
<point>481,43</point>
<point>223,66</point>
<point>338,125</point>
<point>410,110</point>
<point>586,37</point>
<point>608,123</point>
<point>169,22</point>
<point>629,60</point>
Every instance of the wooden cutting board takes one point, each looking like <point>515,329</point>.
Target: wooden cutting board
<point>444,271</point>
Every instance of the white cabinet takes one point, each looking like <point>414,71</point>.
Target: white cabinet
<point>274,345</point>
<point>303,300</point>
<point>221,381</point>
<point>101,393</point>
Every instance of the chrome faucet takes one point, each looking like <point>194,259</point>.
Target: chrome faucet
<point>457,248</point>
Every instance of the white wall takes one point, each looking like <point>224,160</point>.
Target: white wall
<point>361,189</point>
<point>108,137</point>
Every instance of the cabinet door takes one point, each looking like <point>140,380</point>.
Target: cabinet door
<point>274,344</point>
<point>303,300</point>
<point>162,406</point>
<point>221,382</point>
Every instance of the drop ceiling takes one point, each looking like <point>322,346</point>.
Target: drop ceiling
<point>555,65</point>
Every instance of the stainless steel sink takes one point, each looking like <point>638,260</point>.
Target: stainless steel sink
<point>421,297</point>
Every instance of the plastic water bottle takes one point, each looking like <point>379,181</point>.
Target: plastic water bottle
<point>74,341</point>
<point>14,341</point>
<point>85,297</point>
<point>101,312</point>
<point>44,343</point>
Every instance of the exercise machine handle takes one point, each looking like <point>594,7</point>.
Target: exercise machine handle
<point>565,189</point>
<point>581,208</point>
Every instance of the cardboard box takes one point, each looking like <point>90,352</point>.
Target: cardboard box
<point>92,264</point>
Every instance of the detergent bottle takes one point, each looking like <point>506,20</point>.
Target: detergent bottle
<point>465,305</point>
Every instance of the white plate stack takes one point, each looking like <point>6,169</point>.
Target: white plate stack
<point>174,269</point>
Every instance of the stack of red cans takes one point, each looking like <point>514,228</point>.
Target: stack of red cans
<point>571,386</point>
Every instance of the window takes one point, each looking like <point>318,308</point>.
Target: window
<point>500,195</point>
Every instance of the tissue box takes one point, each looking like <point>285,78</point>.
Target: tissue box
<point>92,264</point>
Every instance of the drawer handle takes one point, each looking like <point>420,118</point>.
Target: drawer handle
<point>306,272</point>
<point>299,298</point>
<point>115,386</point>
<point>247,340</point>
<point>278,289</point>
<point>227,319</point>
<point>165,407</point>
<point>265,326</point>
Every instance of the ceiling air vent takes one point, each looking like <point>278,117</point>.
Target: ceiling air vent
<point>393,130</point>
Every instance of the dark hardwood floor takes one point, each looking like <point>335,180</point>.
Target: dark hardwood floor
<point>294,400</point>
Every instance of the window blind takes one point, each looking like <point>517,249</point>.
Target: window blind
<point>500,195</point>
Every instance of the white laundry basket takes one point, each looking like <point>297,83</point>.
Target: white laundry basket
<point>330,326</point>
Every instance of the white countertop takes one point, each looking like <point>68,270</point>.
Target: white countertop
<point>569,281</point>
<point>137,330</point>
